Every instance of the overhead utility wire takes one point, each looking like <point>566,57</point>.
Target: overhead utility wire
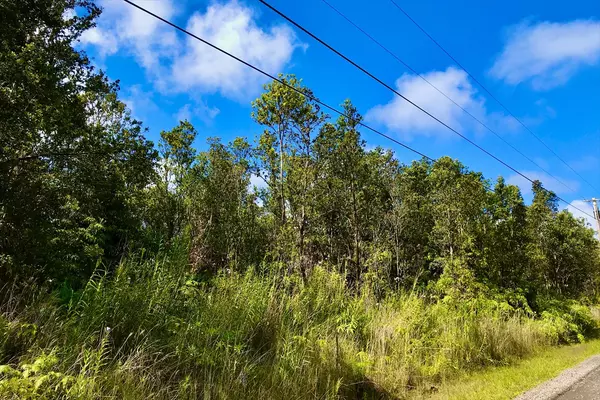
<point>491,95</point>
<point>442,93</point>
<point>291,87</point>
<point>297,25</point>
<point>32,157</point>
<point>278,80</point>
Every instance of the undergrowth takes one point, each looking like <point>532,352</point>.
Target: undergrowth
<point>150,330</point>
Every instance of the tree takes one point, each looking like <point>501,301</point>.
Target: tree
<point>506,247</point>
<point>166,214</point>
<point>540,214</point>
<point>563,250</point>
<point>72,161</point>
<point>572,256</point>
<point>225,227</point>
<point>354,191</point>
<point>284,156</point>
<point>341,171</point>
<point>410,223</point>
<point>458,201</point>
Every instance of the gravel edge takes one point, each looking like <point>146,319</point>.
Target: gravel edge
<point>563,382</point>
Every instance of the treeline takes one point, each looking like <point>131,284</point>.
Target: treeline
<point>299,263</point>
<point>81,186</point>
<point>326,200</point>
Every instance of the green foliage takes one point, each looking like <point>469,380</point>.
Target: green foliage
<point>165,214</point>
<point>567,321</point>
<point>152,330</point>
<point>134,273</point>
<point>225,226</point>
<point>72,161</point>
<point>80,184</point>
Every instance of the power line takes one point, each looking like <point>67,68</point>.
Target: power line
<point>301,92</point>
<point>442,93</point>
<point>277,79</point>
<point>490,94</point>
<point>48,155</point>
<point>297,25</point>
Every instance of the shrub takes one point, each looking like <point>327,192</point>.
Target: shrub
<point>152,330</point>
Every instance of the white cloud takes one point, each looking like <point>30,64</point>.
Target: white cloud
<point>231,27</point>
<point>401,117</point>
<point>547,181</point>
<point>548,54</point>
<point>106,43</point>
<point>123,27</point>
<point>178,64</point>
<point>587,207</point>
<point>257,182</point>
<point>139,101</point>
<point>198,109</point>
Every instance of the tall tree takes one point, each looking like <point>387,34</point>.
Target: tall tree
<point>506,255</point>
<point>341,171</point>
<point>291,118</point>
<point>166,209</point>
<point>458,202</point>
<point>540,214</point>
<point>72,161</point>
<point>410,223</point>
<point>354,190</point>
<point>225,225</point>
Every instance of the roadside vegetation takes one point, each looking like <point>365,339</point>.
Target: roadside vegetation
<point>297,265</point>
<point>507,382</point>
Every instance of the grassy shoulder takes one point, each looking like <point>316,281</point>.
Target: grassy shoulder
<point>507,382</point>
<point>151,330</point>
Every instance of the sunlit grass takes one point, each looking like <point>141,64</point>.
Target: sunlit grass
<point>507,382</point>
<point>152,331</point>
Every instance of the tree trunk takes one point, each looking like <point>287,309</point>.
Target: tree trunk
<point>356,234</point>
<point>302,258</point>
<point>281,195</point>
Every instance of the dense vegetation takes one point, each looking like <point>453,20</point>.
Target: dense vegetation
<point>133,271</point>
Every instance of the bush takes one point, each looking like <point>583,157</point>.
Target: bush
<point>152,330</point>
<point>567,322</point>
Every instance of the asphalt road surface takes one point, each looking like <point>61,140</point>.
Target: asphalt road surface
<point>588,388</point>
<point>579,382</point>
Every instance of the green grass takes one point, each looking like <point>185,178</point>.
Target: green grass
<point>507,382</point>
<point>152,331</point>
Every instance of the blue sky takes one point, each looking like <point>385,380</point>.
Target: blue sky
<point>541,59</point>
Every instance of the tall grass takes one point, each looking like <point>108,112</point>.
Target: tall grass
<point>151,331</point>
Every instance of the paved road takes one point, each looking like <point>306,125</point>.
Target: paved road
<point>582,382</point>
<point>586,389</point>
